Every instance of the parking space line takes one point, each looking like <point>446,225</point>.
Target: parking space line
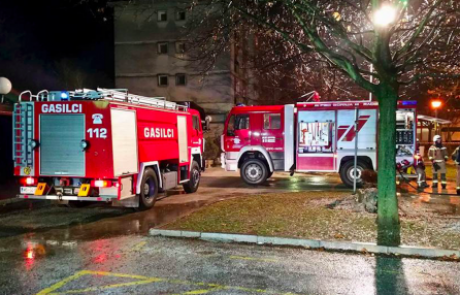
<point>202,291</point>
<point>113,286</point>
<point>139,246</point>
<point>253,258</point>
<point>143,280</point>
<point>61,283</point>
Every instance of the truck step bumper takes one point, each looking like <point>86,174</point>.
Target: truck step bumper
<point>68,198</point>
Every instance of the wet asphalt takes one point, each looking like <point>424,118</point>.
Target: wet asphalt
<point>154,265</point>
<point>47,249</point>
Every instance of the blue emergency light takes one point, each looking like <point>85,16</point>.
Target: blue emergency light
<point>409,102</point>
<point>64,95</point>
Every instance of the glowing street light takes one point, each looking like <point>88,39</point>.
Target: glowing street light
<point>436,104</point>
<point>385,15</point>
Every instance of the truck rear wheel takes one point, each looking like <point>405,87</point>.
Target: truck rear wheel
<point>149,189</point>
<point>347,173</point>
<point>195,176</point>
<point>254,171</point>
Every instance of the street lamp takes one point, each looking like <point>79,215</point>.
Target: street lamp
<point>384,16</point>
<point>5,87</point>
<point>435,105</point>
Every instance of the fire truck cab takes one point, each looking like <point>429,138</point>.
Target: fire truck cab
<point>104,145</point>
<point>311,137</point>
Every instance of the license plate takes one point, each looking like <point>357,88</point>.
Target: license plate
<point>68,191</point>
<point>27,190</point>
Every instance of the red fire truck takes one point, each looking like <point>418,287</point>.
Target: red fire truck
<point>104,145</point>
<point>311,137</point>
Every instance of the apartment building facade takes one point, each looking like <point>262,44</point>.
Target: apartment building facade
<point>151,58</point>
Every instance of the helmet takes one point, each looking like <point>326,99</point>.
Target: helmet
<point>436,138</point>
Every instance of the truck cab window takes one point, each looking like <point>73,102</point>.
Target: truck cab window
<point>242,122</point>
<point>231,126</point>
<point>196,123</point>
<point>272,121</point>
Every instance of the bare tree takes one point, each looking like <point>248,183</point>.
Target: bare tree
<point>399,43</point>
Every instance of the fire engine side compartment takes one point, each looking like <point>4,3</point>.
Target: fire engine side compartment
<point>332,139</point>
<point>163,139</point>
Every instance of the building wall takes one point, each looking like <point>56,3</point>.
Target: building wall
<point>138,63</point>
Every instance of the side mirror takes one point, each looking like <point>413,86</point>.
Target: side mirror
<point>230,132</point>
<point>207,123</point>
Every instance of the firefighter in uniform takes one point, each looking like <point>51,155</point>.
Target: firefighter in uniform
<point>456,158</point>
<point>438,156</point>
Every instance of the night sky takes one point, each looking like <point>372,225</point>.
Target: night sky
<point>56,44</point>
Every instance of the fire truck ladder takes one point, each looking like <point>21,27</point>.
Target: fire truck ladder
<point>120,95</point>
<point>22,134</point>
<point>123,95</point>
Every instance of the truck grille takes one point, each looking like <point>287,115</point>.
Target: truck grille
<point>60,151</point>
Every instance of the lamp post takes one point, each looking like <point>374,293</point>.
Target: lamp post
<point>382,18</point>
<point>435,105</point>
<point>5,87</point>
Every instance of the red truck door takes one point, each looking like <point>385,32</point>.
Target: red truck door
<point>238,133</point>
<point>256,132</point>
<point>273,137</point>
<point>197,132</point>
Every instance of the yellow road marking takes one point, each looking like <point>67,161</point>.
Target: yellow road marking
<point>142,280</point>
<point>139,246</point>
<point>91,289</point>
<point>253,258</point>
<point>62,283</point>
<point>202,291</point>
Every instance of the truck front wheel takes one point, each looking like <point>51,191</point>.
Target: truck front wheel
<point>149,189</point>
<point>347,171</point>
<point>195,176</point>
<point>254,171</point>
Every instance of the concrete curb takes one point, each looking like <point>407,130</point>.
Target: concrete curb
<point>310,244</point>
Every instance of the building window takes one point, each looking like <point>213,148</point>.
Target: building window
<point>180,47</point>
<point>272,121</point>
<point>163,48</point>
<point>162,80</point>
<point>180,15</point>
<point>181,80</point>
<point>162,16</point>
